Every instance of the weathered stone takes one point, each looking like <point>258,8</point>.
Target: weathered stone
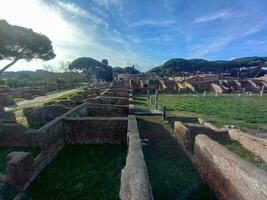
<point>67,103</point>
<point>228,175</point>
<point>93,130</point>
<point>255,144</point>
<point>78,98</point>
<point>20,166</point>
<point>6,100</point>
<point>39,116</point>
<point>6,116</point>
<point>13,134</point>
<point>135,183</point>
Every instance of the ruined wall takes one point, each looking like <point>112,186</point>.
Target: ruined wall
<point>135,183</point>
<point>186,133</point>
<point>110,100</point>
<point>95,130</point>
<point>227,174</point>
<point>94,110</point>
<point>115,93</point>
<point>16,135</point>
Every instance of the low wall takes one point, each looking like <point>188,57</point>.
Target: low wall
<point>114,93</point>
<point>186,133</point>
<point>255,144</point>
<point>105,110</point>
<point>92,130</point>
<point>110,100</point>
<point>135,183</point>
<point>227,174</point>
<point>79,111</point>
<point>15,135</point>
<point>51,136</point>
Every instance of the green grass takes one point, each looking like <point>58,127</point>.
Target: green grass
<point>244,153</point>
<point>4,151</point>
<point>7,192</point>
<point>81,172</point>
<point>248,113</point>
<point>140,101</point>
<point>171,173</point>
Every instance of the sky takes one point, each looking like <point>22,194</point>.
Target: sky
<point>145,33</point>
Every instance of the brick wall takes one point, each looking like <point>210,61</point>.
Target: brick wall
<point>95,130</point>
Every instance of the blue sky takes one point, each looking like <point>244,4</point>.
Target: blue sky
<point>143,32</point>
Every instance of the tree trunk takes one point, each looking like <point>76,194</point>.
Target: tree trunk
<point>9,65</point>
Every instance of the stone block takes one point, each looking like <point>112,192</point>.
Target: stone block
<point>20,166</point>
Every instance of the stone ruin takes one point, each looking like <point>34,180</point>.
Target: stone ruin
<point>97,120</point>
<point>228,175</point>
<point>109,118</point>
<point>217,85</point>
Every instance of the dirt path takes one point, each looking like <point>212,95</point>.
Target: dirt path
<point>171,174</point>
<point>38,101</point>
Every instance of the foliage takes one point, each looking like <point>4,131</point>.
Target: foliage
<point>21,43</point>
<point>178,66</point>
<point>93,69</point>
<point>81,172</point>
<point>30,78</point>
<point>125,70</point>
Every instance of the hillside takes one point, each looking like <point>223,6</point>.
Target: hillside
<point>246,67</point>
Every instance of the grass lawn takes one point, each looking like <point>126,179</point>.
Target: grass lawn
<point>81,172</point>
<point>140,101</point>
<point>4,151</point>
<point>171,173</point>
<point>245,112</point>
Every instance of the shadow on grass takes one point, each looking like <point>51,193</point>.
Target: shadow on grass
<point>171,173</point>
<point>81,172</point>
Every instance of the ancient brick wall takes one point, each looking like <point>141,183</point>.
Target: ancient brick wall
<point>110,100</point>
<point>15,135</point>
<point>135,184</point>
<point>95,130</point>
<point>115,93</point>
<point>94,110</point>
<point>186,133</point>
<point>227,174</point>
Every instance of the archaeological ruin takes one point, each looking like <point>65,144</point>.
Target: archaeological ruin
<point>105,114</point>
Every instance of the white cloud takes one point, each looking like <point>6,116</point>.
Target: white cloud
<point>70,37</point>
<point>255,28</point>
<point>210,47</point>
<point>150,22</point>
<point>108,3</point>
<point>221,14</point>
<point>73,8</point>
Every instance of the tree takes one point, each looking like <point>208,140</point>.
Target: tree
<point>93,69</point>
<point>21,43</point>
<point>125,70</point>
